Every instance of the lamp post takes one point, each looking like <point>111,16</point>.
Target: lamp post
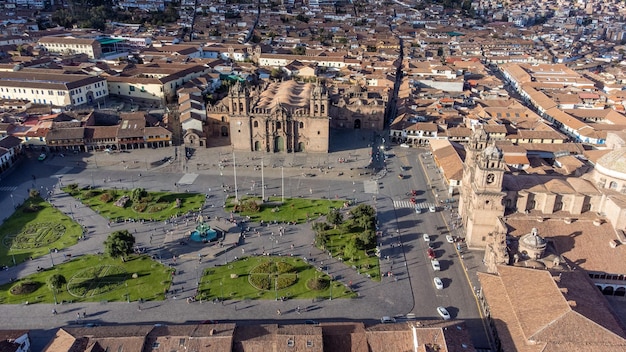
<point>221,291</point>
<point>282,184</point>
<point>51,260</point>
<point>276,287</point>
<point>93,184</point>
<point>235,176</point>
<point>331,287</point>
<point>54,293</point>
<point>12,201</point>
<point>127,293</point>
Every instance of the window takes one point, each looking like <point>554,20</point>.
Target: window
<point>256,123</point>
<point>132,88</point>
<point>301,124</point>
<point>278,125</point>
<point>309,343</point>
<point>290,343</point>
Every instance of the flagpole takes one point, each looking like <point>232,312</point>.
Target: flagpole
<point>262,183</point>
<point>235,173</point>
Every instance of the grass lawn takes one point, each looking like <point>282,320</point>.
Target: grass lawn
<point>152,206</point>
<point>33,229</point>
<point>363,263</point>
<point>294,209</point>
<point>94,278</point>
<point>256,278</point>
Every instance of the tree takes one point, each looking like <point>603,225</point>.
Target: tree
<point>119,244</point>
<point>335,217</point>
<point>368,239</point>
<point>350,249</point>
<point>56,281</point>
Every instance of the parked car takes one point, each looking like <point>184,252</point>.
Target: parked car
<point>449,239</point>
<point>443,312</point>
<point>426,237</point>
<point>418,209</point>
<point>431,253</point>
<point>412,200</point>
<point>435,265</point>
<point>438,283</point>
<point>401,176</point>
<point>387,320</point>
<point>432,208</point>
<point>42,157</point>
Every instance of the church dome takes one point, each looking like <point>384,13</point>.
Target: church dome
<point>613,164</point>
<point>533,240</point>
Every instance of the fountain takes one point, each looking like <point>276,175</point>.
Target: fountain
<point>203,233</point>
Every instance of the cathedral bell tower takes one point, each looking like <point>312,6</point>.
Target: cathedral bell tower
<point>481,191</point>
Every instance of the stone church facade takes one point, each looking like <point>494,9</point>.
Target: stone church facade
<point>279,117</point>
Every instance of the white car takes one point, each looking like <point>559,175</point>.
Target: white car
<point>438,283</point>
<point>449,238</point>
<point>404,145</point>
<point>418,209</point>
<point>426,237</point>
<point>432,208</point>
<point>387,320</point>
<point>443,312</point>
<point>435,265</point>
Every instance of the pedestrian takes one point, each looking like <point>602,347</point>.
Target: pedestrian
<point>298,309</point>
<point>278,312</point>
<point>84,314</point>
<point>77,316</point>
<point>54,311</point>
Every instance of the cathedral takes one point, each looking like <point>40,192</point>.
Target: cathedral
<point>283,116</point>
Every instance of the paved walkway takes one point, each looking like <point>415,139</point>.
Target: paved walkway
<point>388,297</point>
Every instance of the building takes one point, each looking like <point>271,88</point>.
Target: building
<point>280,117</point>
<point>481,200</point>
<point>57,89</point>
<point>71,46</point>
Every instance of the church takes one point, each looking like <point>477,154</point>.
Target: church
<point>285,116</point>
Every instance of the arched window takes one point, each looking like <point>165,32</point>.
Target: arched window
<point>278,125</point>
<point>256,124</point>
<point>613,185</point>
<point>223,118</point>
<point>301,124</point>
<point>322,108</point>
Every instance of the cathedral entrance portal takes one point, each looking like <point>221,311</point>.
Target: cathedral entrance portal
<point>257,146</point>
<point>224,131</point>
<point>279,144</point>
<point>357,124</point>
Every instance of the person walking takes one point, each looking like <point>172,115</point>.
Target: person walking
<point>278,312</point>
<point>54,311</point>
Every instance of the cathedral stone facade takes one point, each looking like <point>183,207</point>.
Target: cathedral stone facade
<point>279,117</point>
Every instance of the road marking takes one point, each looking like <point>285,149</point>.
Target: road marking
<point>8,189</point>
<point>187,179</point>
<point>370,186</point>
<point>62,172</point>
<point>408,204</point>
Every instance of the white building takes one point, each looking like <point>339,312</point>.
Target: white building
<point>51,88</point>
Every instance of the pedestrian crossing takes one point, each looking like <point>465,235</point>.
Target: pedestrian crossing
<point>407,204</point>
<point>8,189</point>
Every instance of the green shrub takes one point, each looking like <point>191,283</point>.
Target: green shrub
<point>285,281</point>
<point>260,281</point>
<point>283,267</point>
<point>106,197</point>
<point>318,284</point>
<point>140,207</point>
<point>23,288</point>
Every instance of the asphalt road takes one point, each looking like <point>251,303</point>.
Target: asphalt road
<point>410,289</point>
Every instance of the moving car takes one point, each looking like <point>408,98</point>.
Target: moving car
<point>438,283</point>
<point>426,237</point>
<point>387,320</point>
<point>435,265</point>
<point>449,239</point>
<point>42,157</point>
<point>443,312</point>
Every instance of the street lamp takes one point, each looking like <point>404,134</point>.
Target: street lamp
<point>127,293</point>
<point>276,287</point>
<point>51,260</point>
<point>221,291</point>
<point>331,288</point>
<point>12,201</point>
